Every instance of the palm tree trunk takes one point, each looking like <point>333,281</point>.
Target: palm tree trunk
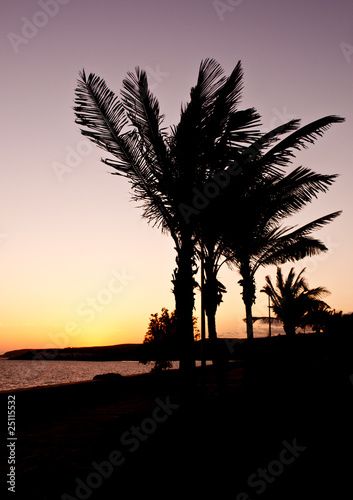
<point>289,329</point>
<point>212,301</point>
<point>184,305</point>
<point>211,323</point>
<point>249,323</point>
<point>218,359</point>
<point>210,294</point>
<point>248,285</point>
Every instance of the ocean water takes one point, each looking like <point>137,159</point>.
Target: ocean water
<point>21,374</point>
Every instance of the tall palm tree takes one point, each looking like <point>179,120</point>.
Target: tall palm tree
<point>214,220</point>
<point>166,169</point>
<point>264,197</point>
<point>293,301</point>
<point>261,240</point>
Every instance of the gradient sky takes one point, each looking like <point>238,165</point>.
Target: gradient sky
<point>78,265</point>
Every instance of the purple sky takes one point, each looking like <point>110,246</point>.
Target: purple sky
<point>64,238</point>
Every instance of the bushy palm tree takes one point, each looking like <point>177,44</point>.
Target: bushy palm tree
<point>244,227</point>
<point>292,300</point>
<point>318,317</point>
<point>170,171</point>
<point>166,169</point>
<point>261,240</point>
<point>216,219</point>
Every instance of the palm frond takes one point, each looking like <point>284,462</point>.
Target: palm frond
<point>317,293</point>
<point>281,153</point>
<point>270,290</point>
<point>289,194</point>
<point>141,106</point>
<point>241,127</point>
<point>144,185</point>
<point>229,95</point>
<point>300,281</point>
<point>99,109</point>
<point>142,109</point>
<point>312,226</point>
<point>209,82</point>
<point>188,142</point>
<point>272,136</point>
<point>289,251</point>
<point>202,97</point>
<point>280,246</point>
<point>280,283</point>
<point>225,120</point>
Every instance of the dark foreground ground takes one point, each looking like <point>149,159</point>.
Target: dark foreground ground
<point>283,429</point>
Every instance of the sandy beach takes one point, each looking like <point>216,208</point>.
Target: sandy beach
<point>282,429</point>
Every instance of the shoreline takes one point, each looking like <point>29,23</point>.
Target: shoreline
<point>39,375</point>
<point>63,430</point>
<point>211,443</point>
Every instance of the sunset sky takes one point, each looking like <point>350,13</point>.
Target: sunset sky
<point>78,265</point>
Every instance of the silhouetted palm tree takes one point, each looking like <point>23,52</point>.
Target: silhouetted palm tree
<point>292,299</point>
<point>166,170</point>
<point>214,221</point>
<point>318,317</point>
<point>244,225</point>
<point>261,240</point>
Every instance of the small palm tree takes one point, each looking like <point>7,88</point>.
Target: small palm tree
<point>293,302</point>
<point>318,317</point>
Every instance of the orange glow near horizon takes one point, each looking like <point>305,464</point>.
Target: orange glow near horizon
<point>107,319</point>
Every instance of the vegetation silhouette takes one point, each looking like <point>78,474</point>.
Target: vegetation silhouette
<point>293,302</point>
<point>213,165</point>
<point>161,341</point>
<point>257,238</point>
<point>338,324</point>
<point>260,239</point>
<point>165,169</point>
<point>264,196</point>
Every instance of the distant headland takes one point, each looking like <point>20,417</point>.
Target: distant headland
<point>121,352</point>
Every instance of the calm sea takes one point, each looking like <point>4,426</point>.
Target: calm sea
<point>21,374</point>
